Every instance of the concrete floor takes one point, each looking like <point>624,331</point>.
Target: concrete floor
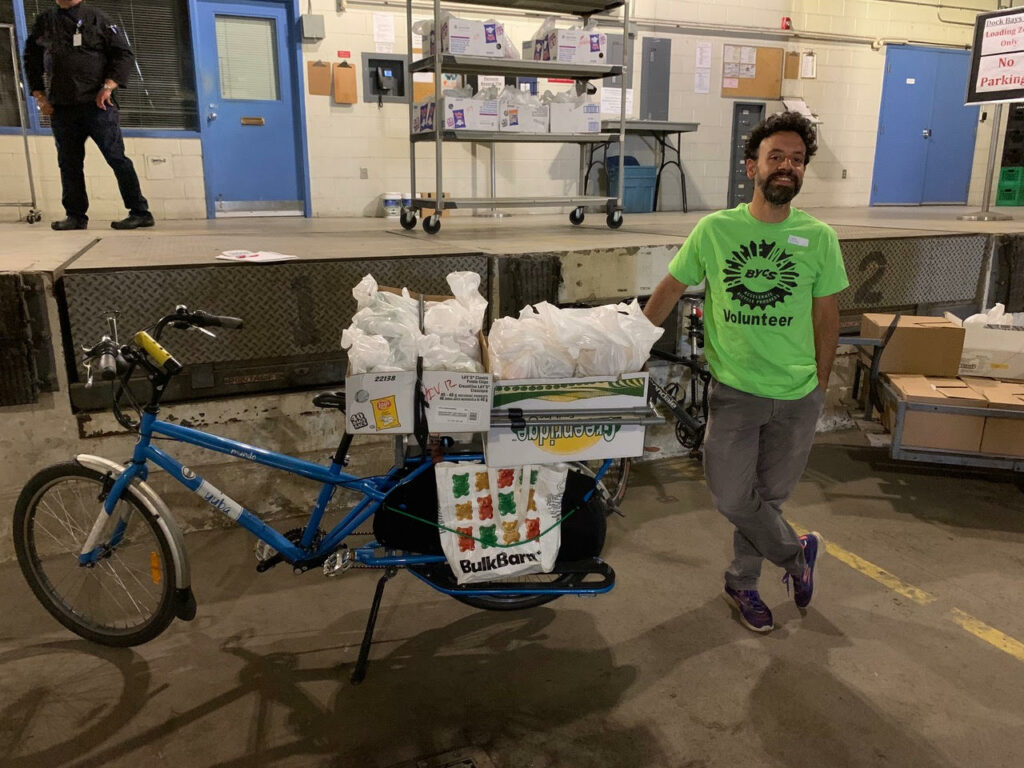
<point>656,673</point>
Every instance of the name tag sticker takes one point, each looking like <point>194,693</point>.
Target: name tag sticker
<point>794,240</point>
<point>76,40</point>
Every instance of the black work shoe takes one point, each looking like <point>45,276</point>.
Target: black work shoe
<point>134,221</point>
<point>71,222</point>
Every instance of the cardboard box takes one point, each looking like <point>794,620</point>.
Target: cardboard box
<point>572,46</point>
<point>379,403</point>
<point>536,443</point>
<point>523,118</point>
<point>470,38</point>
<point>993,351</point>
<point>458,402</point>
<point>382,403</point>
<point>939,430</point>
<point>575,117</point>
<point>927,346</point>
<point>1002,436</point>
<point>462,114</point>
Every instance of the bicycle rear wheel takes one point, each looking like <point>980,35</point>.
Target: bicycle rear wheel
<point>125,598</point>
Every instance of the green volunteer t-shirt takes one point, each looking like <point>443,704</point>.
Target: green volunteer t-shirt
<point>759,331</point>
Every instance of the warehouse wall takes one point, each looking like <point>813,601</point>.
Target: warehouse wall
<point>849,39</point>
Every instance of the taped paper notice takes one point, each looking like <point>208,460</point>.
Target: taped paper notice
<point>730,82</point>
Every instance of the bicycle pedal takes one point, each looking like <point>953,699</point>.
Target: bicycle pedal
<point>339,561</point>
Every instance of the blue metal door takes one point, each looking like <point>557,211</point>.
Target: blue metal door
<point>925,145</point>
<point>250,115</point>
<point>953,130</point>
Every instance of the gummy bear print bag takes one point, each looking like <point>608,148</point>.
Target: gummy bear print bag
<point>500,522</point>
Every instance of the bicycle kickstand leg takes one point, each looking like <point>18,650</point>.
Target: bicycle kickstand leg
<point>359,673</point>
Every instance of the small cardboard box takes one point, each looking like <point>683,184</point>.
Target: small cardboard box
<point>1002,436</point>
<point>461,114</point>
<point>471,38</point>
<point>993,351</point>
<point>572,46</point>
<point>927,346</point>
<point>943,431</point>
<point>379,403</point>
<point>524,118</point>
<point>575,117</point>
<point>535,443</point>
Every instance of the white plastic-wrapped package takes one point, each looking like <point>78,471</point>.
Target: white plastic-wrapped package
<point>551,342</point>
<point>385,331</point>
<point>521,348</point>
<point>366,352</point>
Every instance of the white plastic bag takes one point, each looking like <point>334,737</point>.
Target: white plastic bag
<point>499,523</point>
<point>521,348</point>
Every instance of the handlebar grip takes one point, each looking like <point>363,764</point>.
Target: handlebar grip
<point>108,366</point>
<point>220,321</point>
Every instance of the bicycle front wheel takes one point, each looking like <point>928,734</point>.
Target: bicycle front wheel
<point>125,597</point>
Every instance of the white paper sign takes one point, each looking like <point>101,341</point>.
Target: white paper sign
<point>383,28</point>
<point>703,59</point>
<point>611,101</point>
<point>702,81</point>
<point>808,65</point>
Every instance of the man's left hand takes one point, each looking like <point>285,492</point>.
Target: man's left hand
<point>103,98</point>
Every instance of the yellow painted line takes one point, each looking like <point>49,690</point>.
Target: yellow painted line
<point>965,621</point>
<point>990,635</point>
<point>873,571</point>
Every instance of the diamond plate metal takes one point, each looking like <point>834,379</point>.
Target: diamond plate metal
<point>292,310</point>
<point>908,271</point>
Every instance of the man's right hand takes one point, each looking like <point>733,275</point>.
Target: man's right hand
<point>44,104</point>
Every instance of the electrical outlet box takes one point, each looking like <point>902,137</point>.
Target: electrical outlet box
<point>312,26</point>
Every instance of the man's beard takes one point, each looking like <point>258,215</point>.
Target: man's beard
<point>778,194</point>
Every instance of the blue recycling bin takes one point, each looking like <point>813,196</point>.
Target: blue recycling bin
<point>638,189</point>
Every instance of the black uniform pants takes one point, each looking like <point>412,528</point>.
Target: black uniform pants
<point>72,125</point>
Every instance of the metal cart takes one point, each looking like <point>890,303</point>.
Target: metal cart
<point>33,215</point>
<point>482,65</point>
<point>937,456</point>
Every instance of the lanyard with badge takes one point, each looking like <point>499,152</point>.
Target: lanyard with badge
<point>76,39</point>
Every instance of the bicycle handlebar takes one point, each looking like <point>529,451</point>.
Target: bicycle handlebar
<point>204,320</point>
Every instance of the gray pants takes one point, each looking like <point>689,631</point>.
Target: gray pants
<point>755,450</point>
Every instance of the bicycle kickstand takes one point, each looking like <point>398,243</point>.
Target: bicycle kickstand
<point>359,673</point>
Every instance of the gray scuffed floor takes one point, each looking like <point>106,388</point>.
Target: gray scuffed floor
<point>656,673</point>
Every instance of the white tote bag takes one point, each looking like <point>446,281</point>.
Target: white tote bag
<point>499,523</point>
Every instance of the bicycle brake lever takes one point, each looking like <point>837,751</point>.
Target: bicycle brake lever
<point>203,330</point>
<point>88,371</point>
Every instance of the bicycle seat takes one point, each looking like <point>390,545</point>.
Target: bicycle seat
<point>330,400</point>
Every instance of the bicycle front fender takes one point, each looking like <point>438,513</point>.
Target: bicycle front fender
<point>156,506</point>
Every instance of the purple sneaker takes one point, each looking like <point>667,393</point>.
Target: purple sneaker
<point>803,585</point>
<point>754,614</point>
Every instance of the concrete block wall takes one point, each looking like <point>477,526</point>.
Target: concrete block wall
<point>170,172</point>
<point>348,142</point>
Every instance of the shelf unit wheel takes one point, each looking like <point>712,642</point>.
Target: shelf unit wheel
<point>576,216</point>
<point>614,219</point>
<point>408,218</point>
<point>33,216</point>
<point>432,224</point>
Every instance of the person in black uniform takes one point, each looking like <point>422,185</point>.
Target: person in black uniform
<point>86,57</point>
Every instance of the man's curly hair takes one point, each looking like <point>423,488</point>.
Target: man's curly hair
<point>783,121</point>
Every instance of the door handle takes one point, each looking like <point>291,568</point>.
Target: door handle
<point>926,133</point>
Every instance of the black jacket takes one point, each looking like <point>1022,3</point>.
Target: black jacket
<point>76,72</point>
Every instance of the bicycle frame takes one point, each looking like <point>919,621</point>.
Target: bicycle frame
<point>374,489</point>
